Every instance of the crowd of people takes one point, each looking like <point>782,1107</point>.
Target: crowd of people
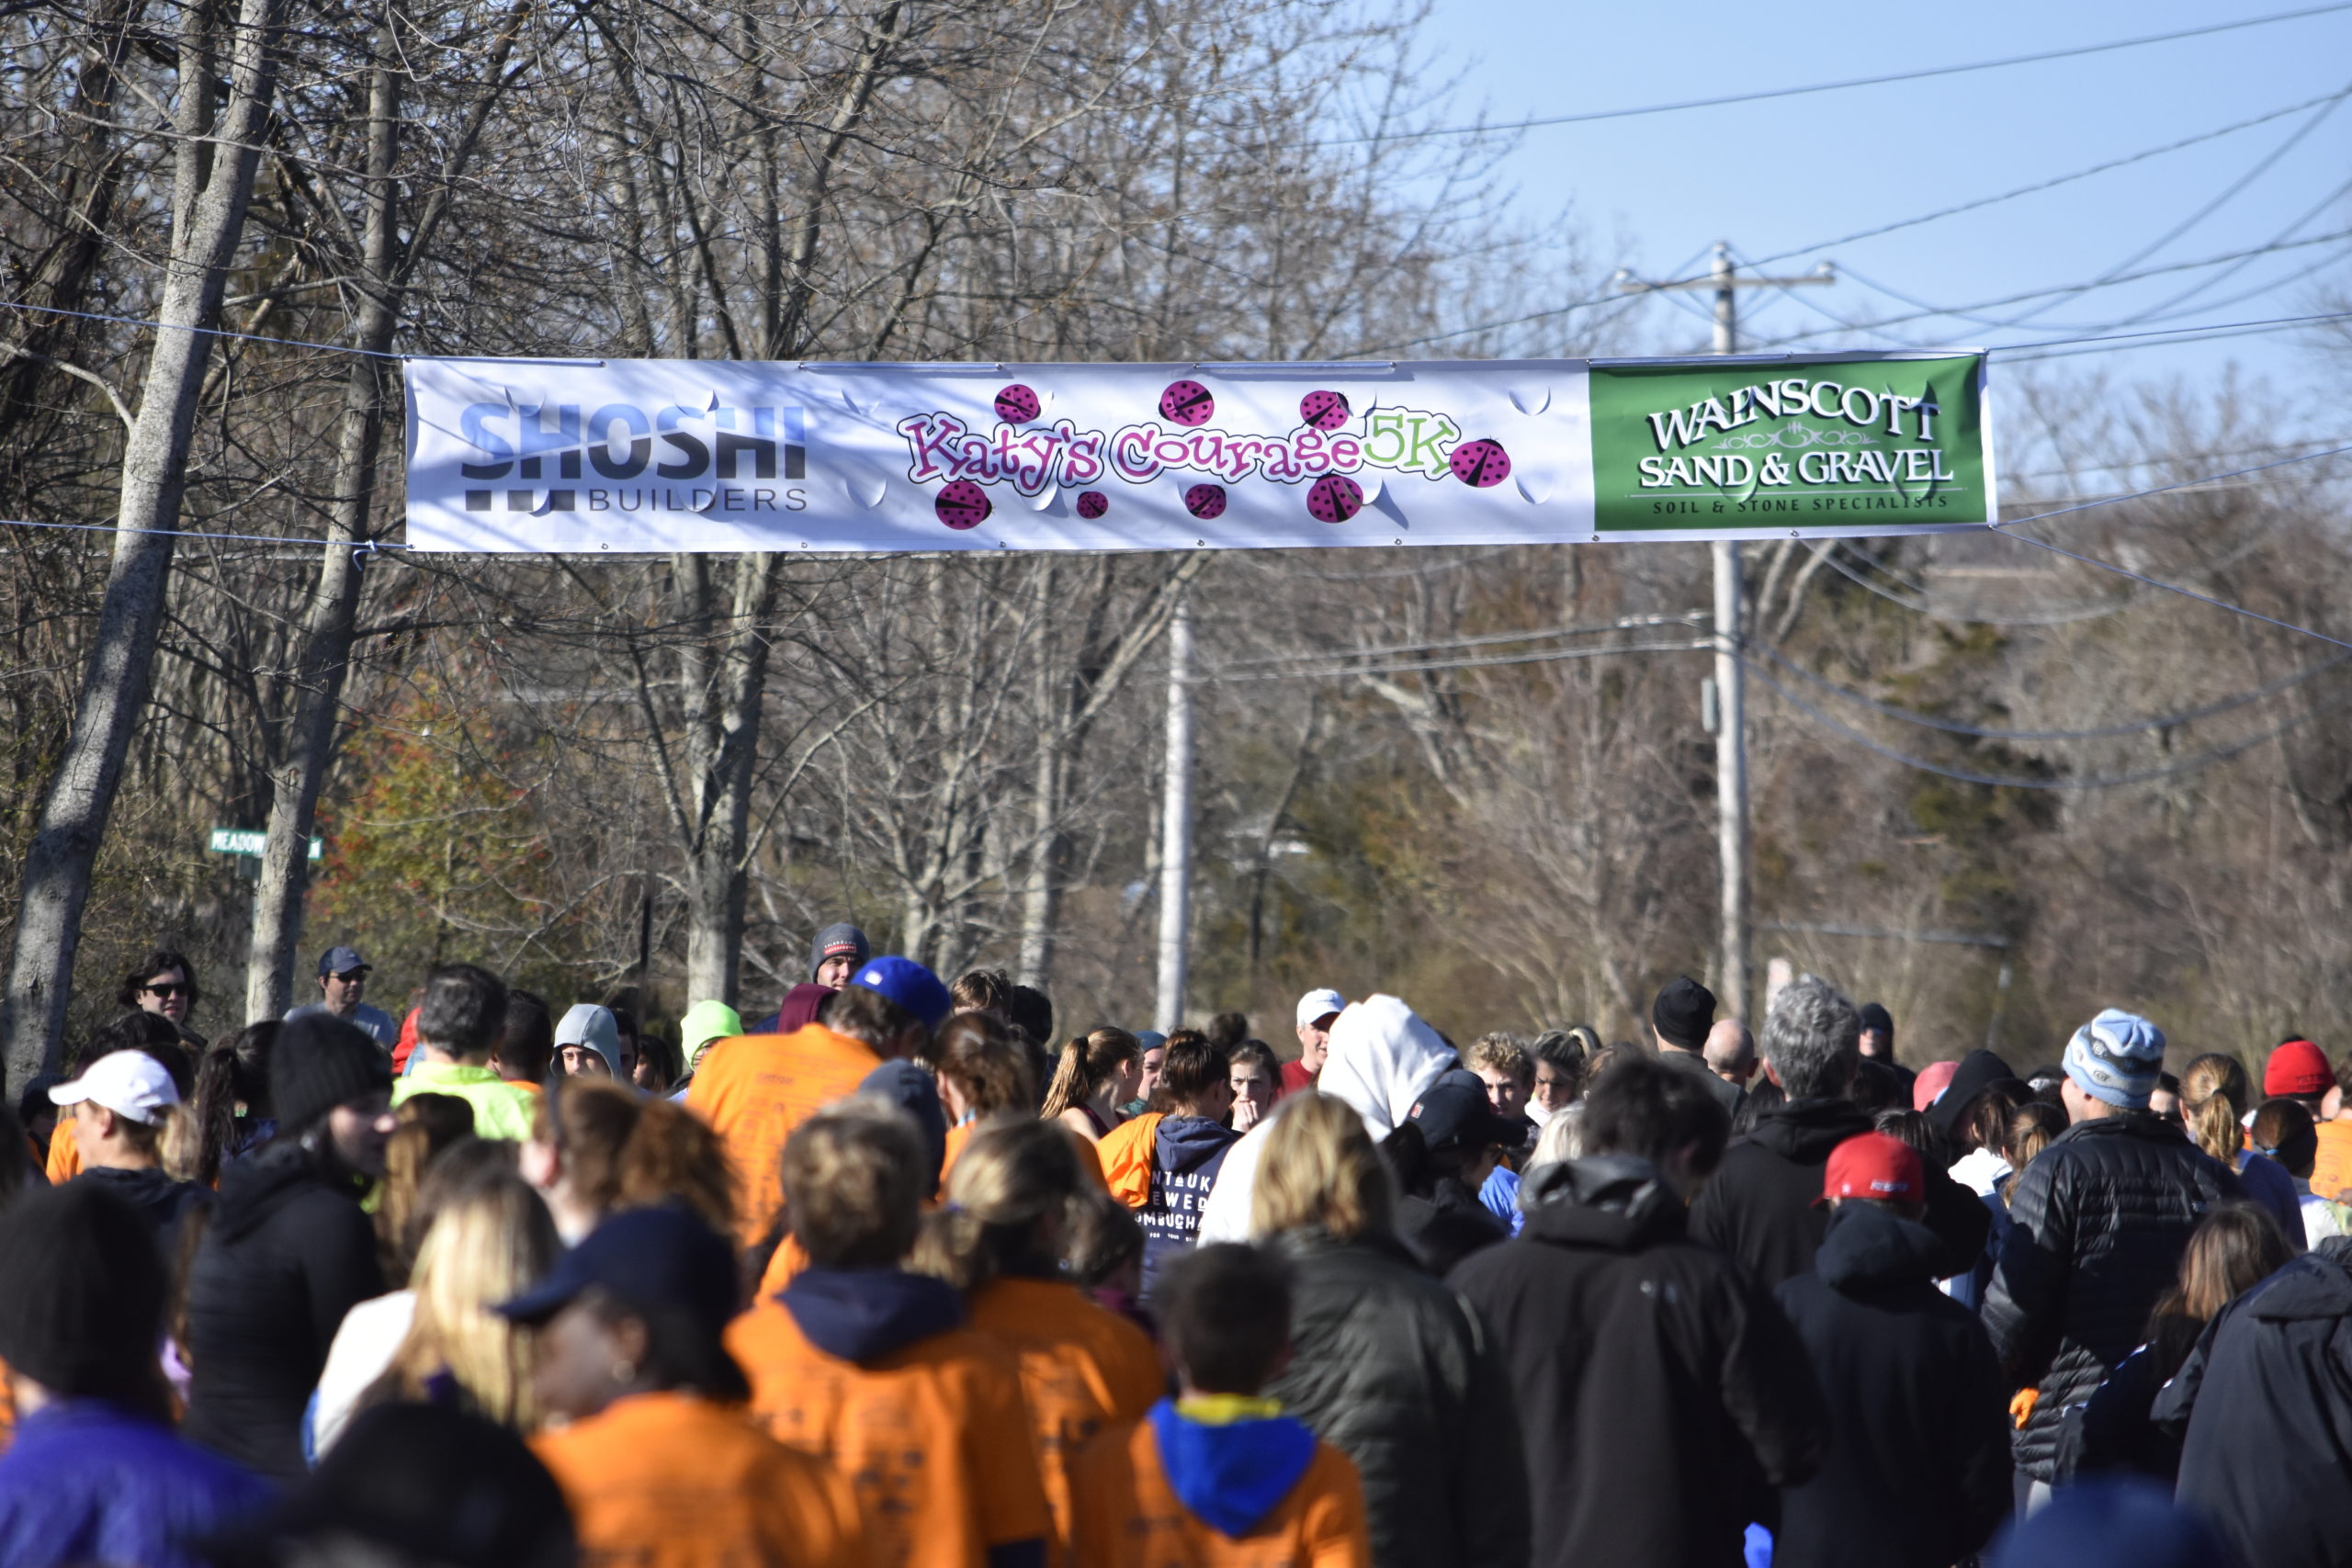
<point>899,1277</point>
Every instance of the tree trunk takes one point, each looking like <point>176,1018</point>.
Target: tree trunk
<point>308,744</point>
<point>213,185</point>
<point>722,757</point>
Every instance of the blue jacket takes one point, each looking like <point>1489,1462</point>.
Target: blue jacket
<point>88,1482</point>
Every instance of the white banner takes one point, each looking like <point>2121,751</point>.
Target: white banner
<point>588,456</point>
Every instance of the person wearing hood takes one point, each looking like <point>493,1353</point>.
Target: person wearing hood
<point>1681,1017</point>
<point>122,1109</point>
<point>661,1466</point>
<point>2261,1406</point>
<point>755,1089</point>
<point>94,1473</point>
<point>1382,1056</point>
<point>588,1042</point>
<point>1163,1162</point>
<point>1386,1364</point>
<point>1219,1477</point>
<point>1661,1393</point>
<point>1759,1209</point>
<point>290,1249</point>
<point>1972,1114</point>
<point>1917,1472</point>
<point>1877,1043</point>
<point>873,1368</point>
<point>2101,1218</point>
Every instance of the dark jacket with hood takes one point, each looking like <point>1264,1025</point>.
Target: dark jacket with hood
<point>1917,1473</point>
<point>2266,1401</point>
<point>163,1203</point>
<point>1187,1152</point>
<point>1396,1370</point>
<point>288,1253</point>
<point>1661,1396</point>
<point>1447,1223</point>
<point>1758,1208</point>
<point>2101,1219</point>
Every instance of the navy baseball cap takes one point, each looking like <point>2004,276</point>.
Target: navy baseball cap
<point>649,1258</point>
<point>908,983</point>
<point>1454,1112</point>
<point>341,961</point>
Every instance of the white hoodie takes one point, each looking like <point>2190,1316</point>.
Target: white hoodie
<point>1381,1057</point>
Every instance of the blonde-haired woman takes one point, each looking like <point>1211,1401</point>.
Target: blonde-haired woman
<point>1012,1207</point>
<point>1097,1074</point>
<point>2216,1100</point>
<point>1386,1364</point>
<point>487,1244</point>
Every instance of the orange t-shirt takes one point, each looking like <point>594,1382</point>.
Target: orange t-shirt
<point>754,1090</point>
<point>928,1437</point>
<point>1125,1155</point>
<point>2332,1168</point>
<point>676,1481</point>
<point>1082,1370</point>
<point>8,1410</point>
<point>1127,1516</point>
<point>64,1154</point>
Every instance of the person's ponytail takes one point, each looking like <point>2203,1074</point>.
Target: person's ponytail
<point>1016,1173</point>
<point>1069,1087</point>
<point>212,1113</point>
<point>2211,1089</point>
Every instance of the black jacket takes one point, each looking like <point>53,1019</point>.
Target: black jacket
<point>1396,1370</point>
<point>164,1204</point>
<point>1917,1473</point>
<point>1447,1225</point>
<point>2099,1221</point>
<point>1661,1396</point>
<point>288,1252</point>
<point>2266,1399</point>
<point>1759,1207</point>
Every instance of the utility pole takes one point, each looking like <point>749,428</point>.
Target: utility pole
<point>1731,728</point>
<point>1176,825</point>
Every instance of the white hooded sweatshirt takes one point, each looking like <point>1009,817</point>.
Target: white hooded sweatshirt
<point>1381,1057</point>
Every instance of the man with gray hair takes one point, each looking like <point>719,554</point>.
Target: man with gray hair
<point>1758,1208</point>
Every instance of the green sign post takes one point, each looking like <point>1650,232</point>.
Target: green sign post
<point>1815,445</point>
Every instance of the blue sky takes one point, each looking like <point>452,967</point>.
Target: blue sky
<point>1656,192</point>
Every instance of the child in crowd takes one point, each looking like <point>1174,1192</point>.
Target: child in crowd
<point>1219,1477</point>
<point>871,1368</point>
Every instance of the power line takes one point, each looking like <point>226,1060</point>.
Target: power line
<point>1484,640</point>
<point>1541,121</point>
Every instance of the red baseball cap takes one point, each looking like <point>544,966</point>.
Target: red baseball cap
<point>1872,1165</point>
<point>2298,1067</point>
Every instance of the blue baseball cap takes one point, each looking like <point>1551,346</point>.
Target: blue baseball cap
<point>341,961</point>
<point>908,983</point>
<point>650,1258</point>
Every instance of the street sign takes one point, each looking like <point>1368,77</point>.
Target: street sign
<point>251,841</point>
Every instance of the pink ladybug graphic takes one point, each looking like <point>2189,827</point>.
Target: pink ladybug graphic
<point>1017,404</point>
<point>1325,411</point>
<point>1206,501</point>
<point>963,504</point>
<point>1187,403</point>
<point>1092,503</point>
<point>1480,463</point>
<point>1334,497</point>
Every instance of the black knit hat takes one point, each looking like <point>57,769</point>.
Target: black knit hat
<point>321,1062</point>
<point>83,1305</point>
<point>1683,1014</point>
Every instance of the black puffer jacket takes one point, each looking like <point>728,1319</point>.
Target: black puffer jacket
<point>1760,1205</point>
<point>288,1253</point>
<point>1661,1396</point>
<point>2100,1220</point>
<point>1396,1370</point>
<point>2266,1401</point>
<point>1917,1473</point>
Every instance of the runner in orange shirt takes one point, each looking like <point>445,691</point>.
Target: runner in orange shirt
<point>754,1090</point>
<point>660,1464</point>
<point>1219,1477</point>
<point>999,1241</point>
<point>871,1367</point>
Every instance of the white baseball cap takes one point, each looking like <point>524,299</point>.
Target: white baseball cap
<point>1319,1005</point>
<point>128,1083</point>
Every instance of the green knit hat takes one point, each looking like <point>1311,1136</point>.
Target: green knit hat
<point>704,1023</point>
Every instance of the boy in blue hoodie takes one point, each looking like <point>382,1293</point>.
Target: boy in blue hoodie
<point>1219,1477</point>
